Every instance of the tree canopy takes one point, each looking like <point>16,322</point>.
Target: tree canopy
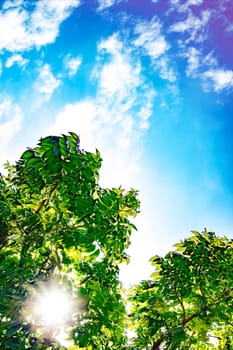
<point>57,221</point>
<point>188,303</point>
<point>60,229</point>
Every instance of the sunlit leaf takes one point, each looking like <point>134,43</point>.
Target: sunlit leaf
<point>57,223</point>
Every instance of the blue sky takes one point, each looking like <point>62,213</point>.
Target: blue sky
<point>147,82</point>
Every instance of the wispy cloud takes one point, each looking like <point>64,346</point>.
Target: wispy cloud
<point>72,64</point>
<point>103,4</point>
<point>150,38</point>
<point>218,78</point>
<point>16,59</point>
<point>192,26</point>
<point>184,7</point>
<point>21,30</point>
<point>166,71</point>
<point>11,119</point>
<point>193,61</point>
<point>115,120</point>
<point>46,83</point>
<point>12,3</point>
<point>207,69</point>
<point>122,86</point>
<point>197,62</point>
<point>119,77</point>
<point>224,13</point>
<point>151,42</point>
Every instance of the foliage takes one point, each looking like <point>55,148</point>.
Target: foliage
<point>55,220</point>
<point>58,224</point>
<point>188,303</point>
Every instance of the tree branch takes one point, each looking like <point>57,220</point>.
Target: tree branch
<point>156,345</point>
<point>188,319</point>
<point>158,342</point>
<point>181,303</point>
<point>42,203</point>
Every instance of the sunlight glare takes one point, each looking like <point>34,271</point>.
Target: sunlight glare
<point>53,308</point>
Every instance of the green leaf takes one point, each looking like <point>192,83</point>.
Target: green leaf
<point>186,298</point>
<point>58,224</point>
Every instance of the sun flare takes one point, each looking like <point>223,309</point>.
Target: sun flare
<point>50,306</point>
<point>53,307</point>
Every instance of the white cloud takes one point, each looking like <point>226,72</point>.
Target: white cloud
<point>197,62</point>
<point>72,64</point>
<point>118,78</point>
<point>165,69</point>
<point>79,117</point>
<point>218,78</point>
<point>16,59</point>
<point>46,83</point>
<point>205,67</point>
<point>146,110</point>
<point>12,3</point>
<point>149,38</point>
<point>103,4</point>
<point>184,7</point>
<point>193,25</point>
<point>193,57</point>
<point>209,60</point>
<point>10,123</point>
<point>115,120</point>
<point>21,30</point>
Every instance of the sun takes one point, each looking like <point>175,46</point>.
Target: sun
<point>52,307</point>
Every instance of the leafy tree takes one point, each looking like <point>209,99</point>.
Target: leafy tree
<point>59,227</point>
<point>57,223</point>
<point>188,303</point>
